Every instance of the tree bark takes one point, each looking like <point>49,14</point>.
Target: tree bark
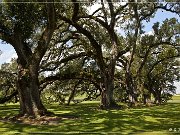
<point>157,97</point>
<point>107,100</point>
<point>28,89</point>
<point>130,87</point>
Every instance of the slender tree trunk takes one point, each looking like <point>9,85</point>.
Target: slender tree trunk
<point>71,96</point>
<point>73,92</point>
<point>158,97</point>
<point>145,98</point>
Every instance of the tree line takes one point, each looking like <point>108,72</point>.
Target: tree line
<point>64,50</point>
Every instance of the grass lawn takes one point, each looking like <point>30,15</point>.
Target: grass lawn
<point>86,118</point>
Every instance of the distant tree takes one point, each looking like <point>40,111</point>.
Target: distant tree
<point>8,75</point>
<point>157,54</point>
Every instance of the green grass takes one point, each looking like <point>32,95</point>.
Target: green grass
<point>175,99</point>
<point>91,120</point>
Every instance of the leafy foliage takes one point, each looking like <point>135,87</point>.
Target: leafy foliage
<point>102,53</point>
<point>8,75</point>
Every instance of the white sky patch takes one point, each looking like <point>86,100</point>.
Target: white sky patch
<point>177,84</point>
<point>7,55</point>
<point>8,52</point>
<point>127,54</point>
<point>94,7</point>
<point>98,4</point>
<point>148,33</point>
<point>14,55</point>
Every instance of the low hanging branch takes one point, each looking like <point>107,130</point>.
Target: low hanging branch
<point>8,98</point>
<point>64,60</point>
<point>159,61</point>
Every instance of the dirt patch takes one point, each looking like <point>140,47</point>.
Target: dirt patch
<point>44,120</point>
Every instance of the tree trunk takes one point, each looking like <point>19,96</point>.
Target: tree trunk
<point>157,97</point>
<point>146,98</point>
<point>107,100</point>
<point>73,92</point>
<point>28,90</point>
<point>131,90</point>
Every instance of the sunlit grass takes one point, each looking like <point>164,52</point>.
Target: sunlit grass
<point>87,118</point>
<point>175,99</point>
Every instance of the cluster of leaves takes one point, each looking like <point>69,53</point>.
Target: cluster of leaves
<point>8,77</point>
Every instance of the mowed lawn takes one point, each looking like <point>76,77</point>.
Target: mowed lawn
<point>86,118</point>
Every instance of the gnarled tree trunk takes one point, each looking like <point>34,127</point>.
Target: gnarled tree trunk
<point>28,90</point>
<point>107,100</point>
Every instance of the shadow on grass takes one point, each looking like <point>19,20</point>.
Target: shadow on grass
<point>90,120</point>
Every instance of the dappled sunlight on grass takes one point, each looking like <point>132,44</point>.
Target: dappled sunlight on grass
<point>9,109</point>
<point>87,117</point>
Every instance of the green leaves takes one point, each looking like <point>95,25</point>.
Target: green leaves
<point>8,74</point>
<point>22,17</point>
<point>168,31</point>
<point>90,45</point>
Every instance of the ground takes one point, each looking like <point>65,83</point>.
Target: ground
<point>87,118</point>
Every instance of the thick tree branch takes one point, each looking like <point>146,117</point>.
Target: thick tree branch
<point>5,34</point>
<point>88,34</point>
<point>48,32</point>
<point>165,7</point>
<point>64,60</point>
<point>8,98</point>
<point>75,10</point>
<point>74,76</point>
<point>104,12</point>
<point>121,8</point>
<point>111,7</point>
<point>161,60</point>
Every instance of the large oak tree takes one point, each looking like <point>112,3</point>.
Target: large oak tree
<point>20,23</point>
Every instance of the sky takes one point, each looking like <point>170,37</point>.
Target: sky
<point>9,52</point>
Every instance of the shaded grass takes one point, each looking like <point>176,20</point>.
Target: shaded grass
<point>91,120</point>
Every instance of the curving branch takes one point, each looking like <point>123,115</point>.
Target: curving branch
<point>5,34</point>
<point>75,10</point>
<point>88,34</point>
<point>170,9</point>
<point>48,32</point>
<point>64,60</point>
<point>8,98</point>
<point>161,60</point>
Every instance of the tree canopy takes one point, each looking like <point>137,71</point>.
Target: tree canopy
<point>66,50</point>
